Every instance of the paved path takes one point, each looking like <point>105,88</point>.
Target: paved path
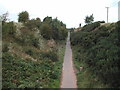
<point>68,74</point>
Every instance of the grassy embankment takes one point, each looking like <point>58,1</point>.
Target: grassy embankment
<point>96,49</point>
<point>29,60</point>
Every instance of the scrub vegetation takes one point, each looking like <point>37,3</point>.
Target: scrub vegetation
<point>33,52</point>
<point>96,49</point>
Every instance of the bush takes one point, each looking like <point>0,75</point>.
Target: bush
<point>35,42</point>
<point>101,21</point>
<point>8,29</point>
<point>51,55</point>
<point>27,38</point>
<point>32,24</point>
<point>118,30</point>
<point>5,47</point>
<point>90,27</point>
<point>46,31</point>
<point>29,52</point>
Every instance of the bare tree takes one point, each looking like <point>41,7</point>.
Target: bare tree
<point>4,17</point>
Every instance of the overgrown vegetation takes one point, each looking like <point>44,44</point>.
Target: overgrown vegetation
<point>53,29</point>
<point>32,52</point>
<point>89,19</point>
<point>21,73</point>
<point>8,29</point>
<point>99,50</point>
<point>91,27</point>
<point>85,78</point>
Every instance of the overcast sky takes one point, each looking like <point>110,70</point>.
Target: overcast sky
<point>71,12</point>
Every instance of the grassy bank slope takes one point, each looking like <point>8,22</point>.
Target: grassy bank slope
<point>29,60</point>
<point>97,51</point>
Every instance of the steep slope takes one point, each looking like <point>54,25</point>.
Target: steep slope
<point>96,50</point>
<point>29,60</point>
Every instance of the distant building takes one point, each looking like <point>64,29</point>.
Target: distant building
<point>119,11</point>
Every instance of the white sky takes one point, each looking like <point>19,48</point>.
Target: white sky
<point>71,12</point>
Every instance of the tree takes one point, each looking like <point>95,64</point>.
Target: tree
<point>47,20</point>
<point>23,17</point>
<point>46,31</point>
<point>33,23</point>
<point>58,29</point>
<point>53,29</point>
<point>38,22</point>
<point>89,19</point>
<point>4,17</point>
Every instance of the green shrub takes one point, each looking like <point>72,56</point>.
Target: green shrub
<point>101,21</point>
<point>90,27</point>
<point>51,55</point>
<point>5,47</point>
<point>27,38</point>
<point>29,52</point>
<point>118,30</point>
<point>32,24</point>
<point>46,31</point>
<point>8,28</point>
<point>35,42</point>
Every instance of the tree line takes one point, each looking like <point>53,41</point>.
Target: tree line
<point>50,28</point>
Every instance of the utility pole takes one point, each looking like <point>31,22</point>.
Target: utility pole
<point>107,13</point>
<point>119,11</point>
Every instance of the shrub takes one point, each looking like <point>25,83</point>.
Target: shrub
<point>51,55</point>
<point>32,24</point>
<point>101,21</point>
<point>8,29</point>
<point>46,31</point>
<point>5,48</point>
<point>35,42</point>
<point>29,52</point>
<point>27,38</point>
<point>90,27</point>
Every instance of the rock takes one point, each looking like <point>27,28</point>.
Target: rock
<point>81,68</point>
